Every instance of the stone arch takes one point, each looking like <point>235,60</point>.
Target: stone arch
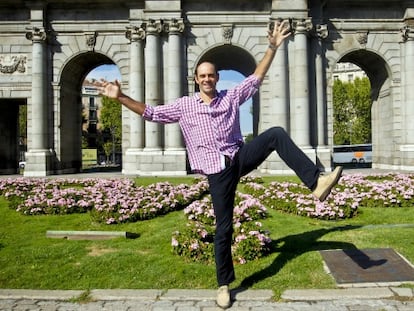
<point>374,66</point>
<point>232,57</point>
<point>68,114</point>
<point>379,74</point>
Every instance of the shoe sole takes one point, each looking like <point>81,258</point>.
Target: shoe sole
<point>223,307</point>
<point>334,182</point>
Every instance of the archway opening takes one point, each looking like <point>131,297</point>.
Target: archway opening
<point>101,126</point>
<point>370,95</point>
<point>79,111</point>
<point>13,128</point>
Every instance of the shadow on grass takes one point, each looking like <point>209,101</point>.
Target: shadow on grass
<point>293,246</point>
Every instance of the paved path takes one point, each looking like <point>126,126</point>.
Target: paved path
<point>349,299</point>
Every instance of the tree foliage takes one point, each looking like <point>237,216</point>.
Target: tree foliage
<point>110,117</point>
<point>352,111</point>
<point>111,120</point>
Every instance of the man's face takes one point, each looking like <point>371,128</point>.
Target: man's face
<point>207,78</point>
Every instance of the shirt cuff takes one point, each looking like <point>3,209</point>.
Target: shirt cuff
<point>148,112</point>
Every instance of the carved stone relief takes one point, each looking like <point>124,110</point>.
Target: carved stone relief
<point>12,63</point>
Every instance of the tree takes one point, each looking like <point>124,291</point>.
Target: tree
<point>108,148</point>
<point>110,118</point>
<point>352,111</point>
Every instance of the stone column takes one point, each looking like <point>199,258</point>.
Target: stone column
<point>408,46</point>
<point>278,92</point>
<point>322,33</point>
<point>300,97</point>
<point>173,138</point>
<point>153,82</point>
<point>323,150</point>
<point>38,155</point>
<point>136,84</point>
<point>38,131</point>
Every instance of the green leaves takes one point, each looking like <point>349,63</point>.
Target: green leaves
<point>352,112</point>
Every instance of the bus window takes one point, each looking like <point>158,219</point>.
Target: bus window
<point>361,153</point>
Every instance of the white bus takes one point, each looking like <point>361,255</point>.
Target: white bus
<point>361,153</point>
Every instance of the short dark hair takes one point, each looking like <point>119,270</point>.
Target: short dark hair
<point>206,61</point>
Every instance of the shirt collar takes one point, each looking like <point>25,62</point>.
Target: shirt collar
<point>200,100</point>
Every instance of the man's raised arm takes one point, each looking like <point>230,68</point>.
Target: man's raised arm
<point>281,31</point>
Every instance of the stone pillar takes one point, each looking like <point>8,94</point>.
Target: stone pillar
<point>38,155</point>
<point>133,151</point>
<point>408,46</point>
<point>153,82</point>
<point>136,85</point>
<point>39,99</point>
<point>279,97</point>
<point>322,33</point>
<point>274,111</point>
<point>323,151</point>
<point>173,138</point>
<point>300,97</point>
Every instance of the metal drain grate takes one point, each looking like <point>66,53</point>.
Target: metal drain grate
<point>381,266</point>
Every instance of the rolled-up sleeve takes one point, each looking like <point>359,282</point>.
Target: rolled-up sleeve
<point>164,114</point>
<point>245,90</point>
<point>148,113</point>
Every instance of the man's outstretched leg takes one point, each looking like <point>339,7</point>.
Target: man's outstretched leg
<point>251,155</point>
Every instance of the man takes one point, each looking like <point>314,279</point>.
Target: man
<point>209,121</point>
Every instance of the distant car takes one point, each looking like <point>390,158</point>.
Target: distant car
<point>22,164</point>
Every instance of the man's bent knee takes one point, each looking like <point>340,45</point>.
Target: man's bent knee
<point>277,130</point>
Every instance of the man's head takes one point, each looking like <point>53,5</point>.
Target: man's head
<point>206,76</point>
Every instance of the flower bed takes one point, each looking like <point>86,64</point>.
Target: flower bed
<point>250,241</point>
<point>109,200</point>
<point>352,192</point>
<point>119,200</point>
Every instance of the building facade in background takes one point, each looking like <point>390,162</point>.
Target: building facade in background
<point>348,72</point>
<point>91,108</point>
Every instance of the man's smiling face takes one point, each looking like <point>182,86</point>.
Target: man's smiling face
<point>207,78</point>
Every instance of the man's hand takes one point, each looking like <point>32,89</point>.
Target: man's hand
<point>280,32</point>
<point>113,90</point>
<point>109,89</point>
<point>276,36</point>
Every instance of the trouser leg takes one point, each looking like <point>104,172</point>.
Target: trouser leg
<point>222,189</point>
<point>251,155</point>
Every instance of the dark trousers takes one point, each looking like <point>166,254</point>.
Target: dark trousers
<point>223,188</point>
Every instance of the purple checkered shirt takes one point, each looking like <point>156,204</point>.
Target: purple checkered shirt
<point>212,131</point>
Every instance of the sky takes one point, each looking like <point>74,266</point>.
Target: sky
<point>228,79</point>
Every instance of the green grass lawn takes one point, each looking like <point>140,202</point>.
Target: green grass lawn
<point>28,259</point>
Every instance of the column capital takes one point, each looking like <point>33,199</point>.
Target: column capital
<point>36,34</point>
<point>135,33</point>
<point>322,31</point>
<point>407,33</point>
<point>302,26</point>
<point>175,26</point>
<point>154,27</point>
